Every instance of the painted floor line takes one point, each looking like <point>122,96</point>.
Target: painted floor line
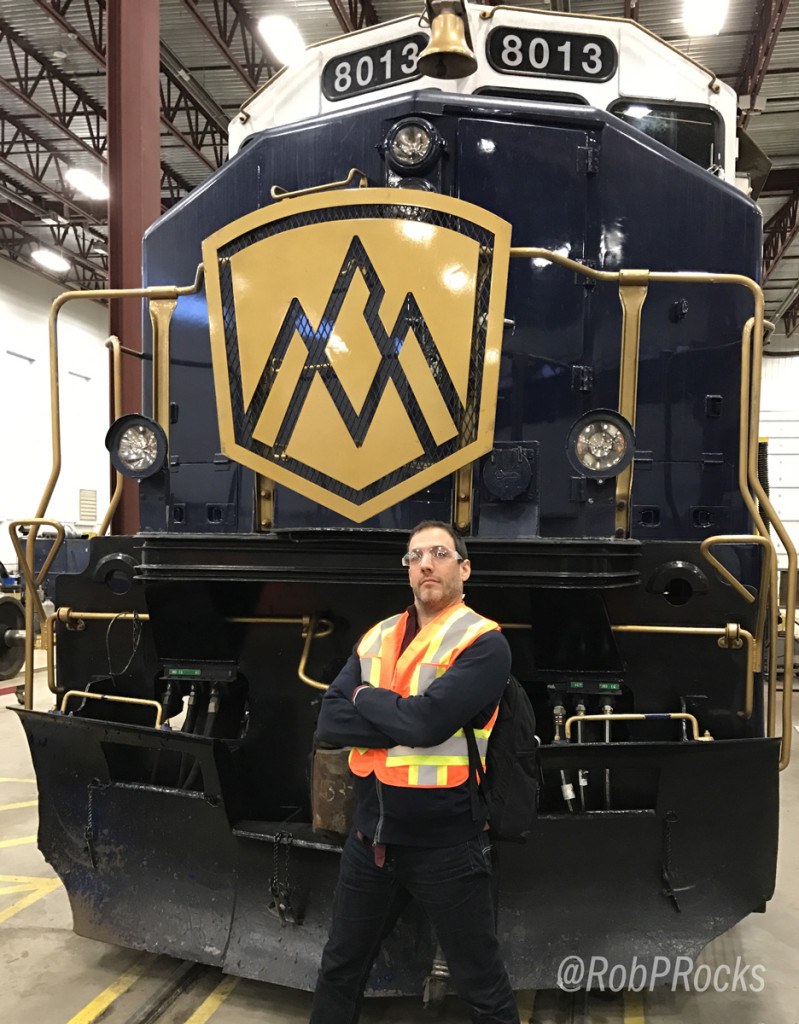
<point>210,1005</point>
<point>24,803</point>
<point>4,778</point>
<point>100,1003</point>
<point>634,1008</point>
<point>19,841</point>
<point>35,888</point>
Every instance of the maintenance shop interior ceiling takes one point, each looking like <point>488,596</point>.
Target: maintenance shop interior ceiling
<point>52,104</point>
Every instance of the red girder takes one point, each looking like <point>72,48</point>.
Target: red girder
<point>18,139</point>
<point>21,240</point>
<point>632,9</point>
<point>791,318</point>
<point>232,22</point>
<point>354,14</point>
<point>94,14</point>
<point>780,232</point>
<point>70,101</point>
<point>768,21</point>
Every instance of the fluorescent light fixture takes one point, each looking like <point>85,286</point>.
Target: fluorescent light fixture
<point>50,260</point>
<point>87,183</point>
<point>636,110</point>
<point>282,37</point>
<point>704,17</point>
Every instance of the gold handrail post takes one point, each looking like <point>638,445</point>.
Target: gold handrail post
<point>25,560</point>
<point>633,286</point>
<point>116,497</point>
<point>787,543</point>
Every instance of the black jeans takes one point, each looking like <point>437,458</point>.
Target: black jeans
<point>453,886</point>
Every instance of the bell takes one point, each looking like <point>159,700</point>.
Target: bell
<point>448,55</point>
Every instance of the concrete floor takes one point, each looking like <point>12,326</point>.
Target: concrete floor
<point>52,976</point>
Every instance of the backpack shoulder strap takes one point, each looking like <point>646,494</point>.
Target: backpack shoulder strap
<point>476,771</point>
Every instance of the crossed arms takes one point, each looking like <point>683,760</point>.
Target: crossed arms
<point>470,689</point>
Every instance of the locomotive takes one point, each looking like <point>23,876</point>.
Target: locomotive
<point>501,276</point>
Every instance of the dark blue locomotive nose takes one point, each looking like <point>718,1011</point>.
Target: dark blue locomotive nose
<point>578,182</point>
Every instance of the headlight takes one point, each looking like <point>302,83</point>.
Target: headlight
<point>412,145</point>
<point>138,446</point>
<point>601,444</point>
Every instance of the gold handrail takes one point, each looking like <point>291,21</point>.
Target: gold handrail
<point>116,497</point>
<point>25,560</point>
<point>159,711</point>
<point>704,550</point>
<point>729,637</point>
<point>747,468</point>
<point>281,193</point>
<point>790,550</point>
<point>633,717</point>
<point>747,446</point>
<point>313,628</point>
<point>153,292</point>
<point>310,634</point>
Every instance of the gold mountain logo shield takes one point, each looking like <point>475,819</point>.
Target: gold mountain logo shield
<point>356,340</point>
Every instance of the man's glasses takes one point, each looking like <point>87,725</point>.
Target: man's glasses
<point>438,553</point>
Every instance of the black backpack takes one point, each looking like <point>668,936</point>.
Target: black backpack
<point>509,785</point>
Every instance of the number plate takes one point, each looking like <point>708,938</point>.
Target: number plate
<point>374,68</point>
<point>519,51</point>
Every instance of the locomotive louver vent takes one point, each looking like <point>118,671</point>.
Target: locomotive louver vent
<point>87,506</point>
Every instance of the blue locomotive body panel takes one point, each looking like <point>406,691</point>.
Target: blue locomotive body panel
<point>570,179</point>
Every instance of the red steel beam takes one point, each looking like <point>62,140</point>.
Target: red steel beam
<point>96,48</point>
<point>134,144</point>
<point>353,14</point>
<point>70,101</point>
<point>780,231</point>
<point>231,21</point>
<point>791,318</point>
<point>767,23</point>
<point>632,9</point>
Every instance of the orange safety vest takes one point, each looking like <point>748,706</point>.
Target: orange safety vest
<point>434,648</point>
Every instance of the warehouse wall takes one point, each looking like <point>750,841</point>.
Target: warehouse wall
<point>779,422</point>
<point>26,450</point>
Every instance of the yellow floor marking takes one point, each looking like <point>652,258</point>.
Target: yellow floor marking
<point>209,1007</point>
<point>35,887</point>
<point>100,1003</point>
<point>24,803</point>
<point>634,1008</point>
<point>19,841</point>
<point>3,779</point>
<point>525,1003</point>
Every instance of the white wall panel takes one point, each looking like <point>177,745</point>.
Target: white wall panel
<point>779,422</point>
<point>25,449</point>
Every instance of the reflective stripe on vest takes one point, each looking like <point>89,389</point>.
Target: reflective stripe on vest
<point>427,656</point>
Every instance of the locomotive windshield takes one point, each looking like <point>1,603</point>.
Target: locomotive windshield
<point>693,131</point>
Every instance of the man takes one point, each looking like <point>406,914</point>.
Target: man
<point>401,701</point>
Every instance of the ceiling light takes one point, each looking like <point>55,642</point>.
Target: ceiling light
<point>87,183</point>
<point>704,17</point>
<point>50,260</point>
<point>282,37</point>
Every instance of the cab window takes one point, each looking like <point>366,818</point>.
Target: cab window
<point>693,131</point>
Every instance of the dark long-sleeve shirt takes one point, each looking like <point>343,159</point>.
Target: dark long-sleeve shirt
<point>467,693</point>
